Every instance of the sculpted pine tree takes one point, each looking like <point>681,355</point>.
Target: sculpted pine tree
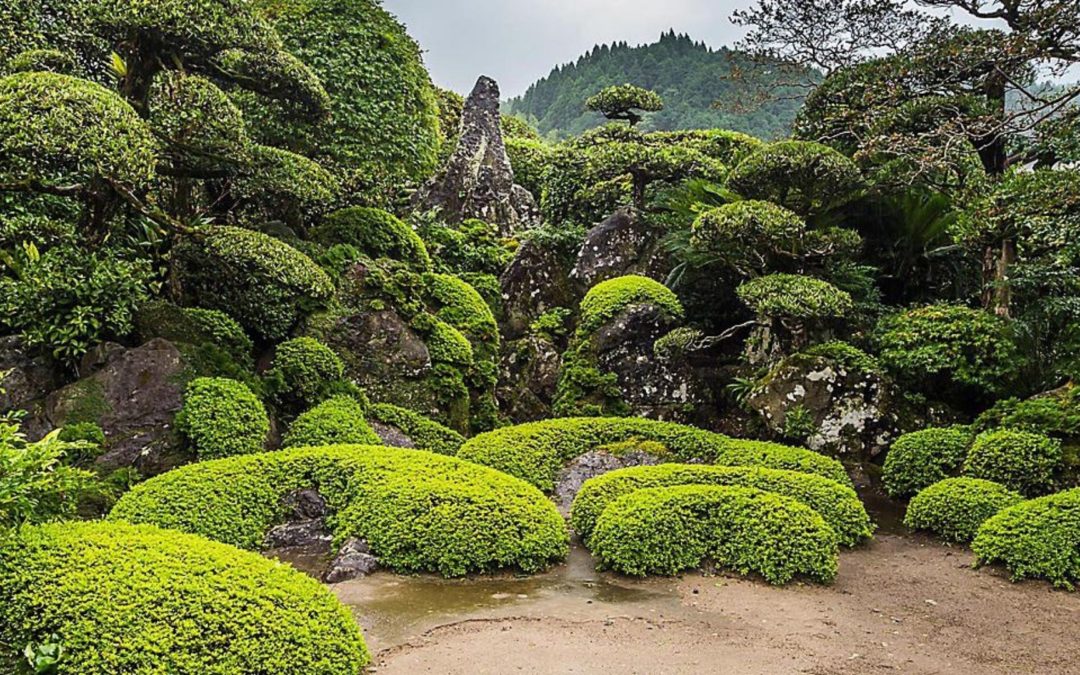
<point>622,103</point>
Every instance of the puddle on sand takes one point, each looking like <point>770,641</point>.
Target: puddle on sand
<point>393,608</point>
<point>886,513</point>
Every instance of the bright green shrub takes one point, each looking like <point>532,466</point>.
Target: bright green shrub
<point>279,75</point>
<point>336,421</point>
<point>36,484</point>
<point>303,370</point>
<point>222,418</point>
<point>194,326</point>
<point>448,345</point>
<point>1021,460</point>
<point>265,284</point>
<point>955,507</point>
<point>460,305</point>
<point>619,102</point>
<point>795,296</point>
<point>808,178</point>
<point>748,235</point>
<point>426,434</point>
<point>33,60</point>
<point>138,599</point>
<point>529,158</point>
<point>468,247</point>
<point>198,122</point>
<point>948,350</point>
<point>419,511</point>
<point>919,459</point>
<point>607,299</point>
<point>1039,538</point>
<point>667,530</point>
<point>838,504</point>
<point>537,451</point>
<point>285,183</point>
<point>730,147</point>
<point>373,232</point>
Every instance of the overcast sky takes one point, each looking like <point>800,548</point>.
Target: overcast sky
<point>519,41</point>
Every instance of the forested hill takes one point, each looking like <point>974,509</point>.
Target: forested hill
<point>689,75</point>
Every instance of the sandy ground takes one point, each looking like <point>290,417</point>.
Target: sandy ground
<point>903,604</point>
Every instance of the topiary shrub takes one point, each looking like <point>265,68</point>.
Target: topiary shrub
<point>808,178</point>
<point>425,433</point>
<point>949,351</point>
<point>138,599</point>
<point>837,504</point>
<point>794,296</point>
<point>749,235</point>
<point>537,451</point>
<point>607,299</point>
<point>1021,460</point>
<point>619,102</point>
<point>194,326</point>
<point>373,232</point>
<point>303,372</point>
<point>529,158</point>
<point>954,508</point>
<point>1039,538</point>
<point>730,147</point>
<point>919,459</point>
<point>265,284</point>
<point>419,511</point>
<point>222,418</point>
<point>667,530</point>
<point>335,421</point>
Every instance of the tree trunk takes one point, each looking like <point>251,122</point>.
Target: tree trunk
<point>998,257</point>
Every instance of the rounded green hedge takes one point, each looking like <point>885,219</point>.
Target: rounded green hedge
<point>425,433</point>
<point>193,326</point>
<point>375,233</point>
<point>919,459</point>
<point>222,418</point>
<point>302,370</point>
<point>537,451</point>
<point>795,296</point>
<point>263,283</point>
<point>336,421</point>
<point>606,299</point>
<point>138,599</point>
<point>838,504</point>
<point>667,530</point>
<point>419,511</point>
<point>1039,538</point>
<point>955,507</point>
<point>1023,461</point>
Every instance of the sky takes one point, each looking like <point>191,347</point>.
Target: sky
<point>519,41</point>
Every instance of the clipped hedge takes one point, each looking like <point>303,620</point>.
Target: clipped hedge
<point>302,371</point>
<point>837,504</point>
<point>419,511</point>
<point>919,459</point>
<point>375,233</point>
<point>222,418</point>
<point>193,326</point>
<point>425,433</point>
<point>1023,461</point>
<point>537,451</point>
<point>1039,538</point>
<point>336,421</point>
<point>667,530</point>
<point>606,299</point>
<point>138,599</point>
<point>955,507</point>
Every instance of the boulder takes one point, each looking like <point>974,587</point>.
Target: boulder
<point>355,559</point>
<point>528,376</point>
<point>478,181</point>
<point>391,435</point>
<point>593,464</point>
<point>622,244</point>
<point>25,379</point>
<point>133,394</point>
<point>535,281</point>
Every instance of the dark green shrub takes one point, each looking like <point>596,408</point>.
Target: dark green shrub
<point>1020,460</point>
<point>749,235</point>
<point>375,233</point>
<point>194,326</point>
<point>1055,413</point>
<point>667,530</point>
<point>419,511</point>
<point>619,102</point>
<point>426,434</point>
<point>730,147</point>
<point>87,442</point>
<point>1039,538</point>
<point>303,372</point>
<point>201,127</point>
<point>795,296</point>
<point>537,451</point>
<point>948,350</point>
<point>919,459</point>
<point>266,285</point>
<point>222,418</point>
<point>837,504</point>
<point>529,158</point>
<point>34,60</point>
<point>607,299</point>
<point>335,421</point>
<point>955,507</point>
<point>138,599</point>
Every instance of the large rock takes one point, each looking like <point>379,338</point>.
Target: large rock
<point>25,379</point>
<point>535,281</point>
<point>134,394</point>
<point>623,244</point>
<point>528,376</point>
<point>478,181</point>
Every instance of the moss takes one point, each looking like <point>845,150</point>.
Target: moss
<point>194,326</point>
<point>336,421</point>
<point>138,599</point>
<point>920,459</point>
<point>87,403</point>
<point>666,530</point>
<point>374,233</point>
<point>425,433</point>
<point>303,372</point>
<point>607,299</point>
<point>838,504</point>
<point>222,418</point>
<point>419,511</point>
<point>955,508</point>
<point>846,356</point>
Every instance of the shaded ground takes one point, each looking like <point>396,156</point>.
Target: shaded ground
<point>903,604</point>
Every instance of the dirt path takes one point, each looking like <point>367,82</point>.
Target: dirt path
<point>904,604</point>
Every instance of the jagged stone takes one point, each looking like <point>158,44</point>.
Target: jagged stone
<point>355,559</point>
<point>478,181</point>
<point>622,244</point>
<point>529,374</point>
<point>535,281</point>
<point>25,379</point>
<point>591,465</point>
<point>298,534</point>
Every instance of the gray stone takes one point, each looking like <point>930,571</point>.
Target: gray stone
<point>622,244</point>
<point>528,376</point>
<point>590,465</point>
<point>298,534</point>
<point>535,281</point>
<point>355,559</point>
<point>391,435</point>
<point>305,504</point>
<point>25,379</point>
